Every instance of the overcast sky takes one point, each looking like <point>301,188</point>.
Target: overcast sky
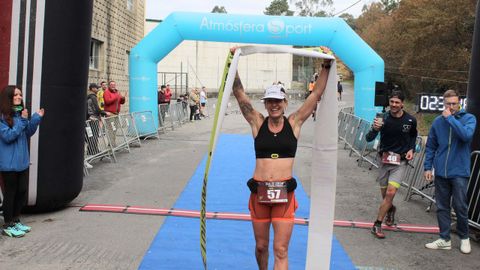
<point>159,9</point>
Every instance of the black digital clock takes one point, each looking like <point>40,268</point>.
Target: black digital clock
<point>434,103</point>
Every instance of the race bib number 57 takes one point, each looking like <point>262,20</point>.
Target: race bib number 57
<point>272,192</point>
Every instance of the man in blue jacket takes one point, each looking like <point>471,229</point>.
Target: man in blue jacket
<point>448,153</point>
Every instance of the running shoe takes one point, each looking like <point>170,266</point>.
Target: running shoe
<point>377,231</point>
<point>13,232</point>
<point>465,247</point>
<point>439,244</point>
<point>390,217</point>
<point>22,227</point>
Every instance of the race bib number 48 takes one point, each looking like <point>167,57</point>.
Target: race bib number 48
<point>272,192</point>
<point>391,158</point>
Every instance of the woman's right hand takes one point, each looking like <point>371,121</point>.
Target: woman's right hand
<point>25,113</point>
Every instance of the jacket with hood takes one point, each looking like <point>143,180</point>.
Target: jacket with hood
<point>448,145</point>
<point>14,156</point>
<point>93,110</point>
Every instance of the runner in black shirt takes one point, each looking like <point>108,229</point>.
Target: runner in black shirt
<point>398,133</point>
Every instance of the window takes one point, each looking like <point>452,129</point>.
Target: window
<point>126,62</point>
<point>129,5</point>
<point>95,46</point>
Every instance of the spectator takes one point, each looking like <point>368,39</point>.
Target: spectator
<point>101,91</point>
<point>398,134</point>
<point>310,87</point>
<point>113,99</point>
<point>339,90</point>
<point>192,102</point>
<point>94,113</point>
<point>162,103</point>
<point>448,152</point>
<point>15,130</point>
<point>203,101</point>
<point>197,111</point>
<point>168,97</point>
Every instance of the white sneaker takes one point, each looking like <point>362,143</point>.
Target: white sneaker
<point>88,165</point>
<point>465,247</point>
<point>439,244</point>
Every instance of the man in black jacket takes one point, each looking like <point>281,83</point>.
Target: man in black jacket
<point>94,113</point>
<point>398,133</point>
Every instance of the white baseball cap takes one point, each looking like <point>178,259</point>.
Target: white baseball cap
<point>275,92</point>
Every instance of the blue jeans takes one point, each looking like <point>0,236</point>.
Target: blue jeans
<point>454,190</point>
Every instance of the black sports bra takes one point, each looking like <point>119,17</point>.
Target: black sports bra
<point>275,145</point>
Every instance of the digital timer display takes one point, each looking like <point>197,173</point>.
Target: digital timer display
<point>434,103</point>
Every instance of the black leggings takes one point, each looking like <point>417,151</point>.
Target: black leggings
<point>14,194</point>
<point>193,109</point>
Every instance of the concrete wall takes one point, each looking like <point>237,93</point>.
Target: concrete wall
<point>118,25</point>
<point>204,62</point>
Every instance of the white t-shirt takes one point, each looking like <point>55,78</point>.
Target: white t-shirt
<point>203,96</point>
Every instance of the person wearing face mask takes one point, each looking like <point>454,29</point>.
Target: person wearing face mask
<point>15,129</point>
<point>448,153</point>
<point>398,134</point>
<point>272,199</point>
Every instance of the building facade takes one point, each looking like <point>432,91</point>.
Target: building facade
<point>203,63</point>
<point>117,26</point>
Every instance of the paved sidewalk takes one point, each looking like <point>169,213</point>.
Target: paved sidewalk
<point>155,174</point>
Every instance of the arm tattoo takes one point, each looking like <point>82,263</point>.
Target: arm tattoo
<point>246,108</point>
<point>237,85</point>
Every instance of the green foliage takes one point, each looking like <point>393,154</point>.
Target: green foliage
<point>219,9</point>
<point>311,8</point>
<point>279,8</point>
<point>426,45</point>
<point>390,5</point>
<point>349,19</point>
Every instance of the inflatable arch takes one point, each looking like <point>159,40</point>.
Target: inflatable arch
<point>334,33</point>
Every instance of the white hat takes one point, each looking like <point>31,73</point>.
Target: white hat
<point>275,92</point>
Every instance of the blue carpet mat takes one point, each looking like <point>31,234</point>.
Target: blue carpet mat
<point>230,244</point>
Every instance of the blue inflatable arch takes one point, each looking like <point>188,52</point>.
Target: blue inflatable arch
<point>334,33</point>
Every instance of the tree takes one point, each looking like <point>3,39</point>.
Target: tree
<point>390,5</point>
<point>426,45</point>
<point>311,8</point>
<point>278,7</point>
<point>349,19</point>
<point>219,9</point>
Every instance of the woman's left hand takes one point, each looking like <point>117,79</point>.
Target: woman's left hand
<point>41,112</point>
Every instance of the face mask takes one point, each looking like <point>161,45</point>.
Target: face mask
<point>17,108</point>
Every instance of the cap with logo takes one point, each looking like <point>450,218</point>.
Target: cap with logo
<point>274,92</point>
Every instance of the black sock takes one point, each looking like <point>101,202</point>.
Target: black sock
<point>378,223</point>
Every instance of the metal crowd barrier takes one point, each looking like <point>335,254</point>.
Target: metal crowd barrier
<point>105,137</point>
<point>116,134</point>
<point>129,129</point>
<point>97,144</point>
<point>172,115</point>
<point>352,130</point>
<point>474,191</point>
<point>145,124</point>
